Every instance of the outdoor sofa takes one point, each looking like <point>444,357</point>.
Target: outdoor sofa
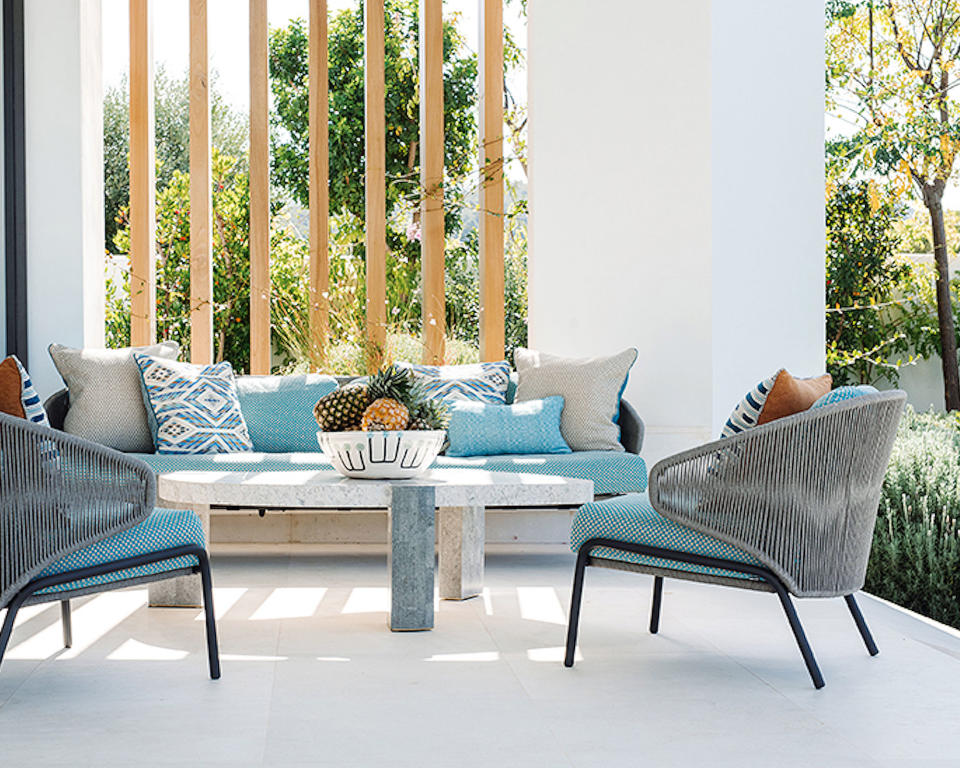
<point>612,472</point>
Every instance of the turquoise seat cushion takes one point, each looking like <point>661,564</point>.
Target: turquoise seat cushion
<point>163,529</point>
<point>279,410</point>
<point>611,472</point>
<point>485,429</point>
<point>633,519</point>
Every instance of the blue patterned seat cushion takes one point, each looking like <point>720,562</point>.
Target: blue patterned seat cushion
<point>164,529</point>
<point>633,519</point>
<point>611,472</point>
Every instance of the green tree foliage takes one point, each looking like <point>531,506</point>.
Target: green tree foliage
<point>231,265</point>
<point>289,84</point>
<point>171,98</point>
<point>864,276</point>
<point>891,67</point>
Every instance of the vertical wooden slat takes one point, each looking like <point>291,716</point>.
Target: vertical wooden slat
<point>319,185</point>
<point>431,179</point>
<point>201,265</point>
<point>143,305</point>
<point>375,182</point>
<point>491,180</point>
<point>259,192</point>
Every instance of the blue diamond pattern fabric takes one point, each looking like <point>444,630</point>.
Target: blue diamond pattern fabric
<point>633,519</point>
<point>611,472</point>
<point>485,382</point>
<point>32,405</point>
<point>484,429</point>
<point>192,408</point>
<point>163,529</point>
<point>840,394</point>
<point>747,412</point>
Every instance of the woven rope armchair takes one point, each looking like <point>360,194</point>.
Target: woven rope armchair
<point>59,495</point>
<point>797,498</point>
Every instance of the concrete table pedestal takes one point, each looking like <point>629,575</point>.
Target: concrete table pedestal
<point>460,495</point>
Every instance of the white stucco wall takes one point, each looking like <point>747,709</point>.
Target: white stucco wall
<point>64,167</point>
<point>676,197</point>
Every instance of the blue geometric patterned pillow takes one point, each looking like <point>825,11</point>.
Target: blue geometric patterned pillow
<point>486,382</point>
<point>748,410</point>
<point>840,394</point>
<point>32,406</point>
<point>483,429</point>
<point>192,408</point>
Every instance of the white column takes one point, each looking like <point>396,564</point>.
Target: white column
<point>767,185</point>
<point>676,197</point>
<point>64,168</point>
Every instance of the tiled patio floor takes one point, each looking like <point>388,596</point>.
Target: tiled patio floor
<point>313,677</point>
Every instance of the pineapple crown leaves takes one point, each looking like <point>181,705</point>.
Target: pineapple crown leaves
<point>393,383</point>
<point>435,414</point>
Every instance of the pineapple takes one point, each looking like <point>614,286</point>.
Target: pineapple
<point>342,409</point>
<point>393,383</point>
<point>429,414</point>
<point>384,415</point>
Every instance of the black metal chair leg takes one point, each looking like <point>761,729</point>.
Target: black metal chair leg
<point>213,652</point>
<point>575,599</point>
<point>801,639</point>
<point>7,629</point>
<point>67,623</point>
<point>655,606</point>
<point>861,625</point>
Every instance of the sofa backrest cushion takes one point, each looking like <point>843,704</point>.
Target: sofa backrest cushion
<point>279,410</point>
<point>106,401</point>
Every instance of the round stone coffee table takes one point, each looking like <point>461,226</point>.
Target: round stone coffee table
<point>460,495</point>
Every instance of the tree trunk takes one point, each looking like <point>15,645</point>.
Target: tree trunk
<point>932,198</point>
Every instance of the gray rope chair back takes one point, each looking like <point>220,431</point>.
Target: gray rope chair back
<point>800,494</point>
<point>59,493</point>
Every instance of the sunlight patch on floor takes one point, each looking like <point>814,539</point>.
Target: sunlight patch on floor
<point>553,655</point>
<point>290,603</point>
<point>91,621</point>
<point>467,657</point>
<point>133,650</point>
<point>540,604</point>
<point>367,600</point>
<point>224,598</point>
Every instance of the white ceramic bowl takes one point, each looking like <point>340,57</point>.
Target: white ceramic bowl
<point>382,455</point>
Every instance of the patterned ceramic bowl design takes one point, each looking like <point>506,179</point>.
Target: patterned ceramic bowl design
<point>382,455</point>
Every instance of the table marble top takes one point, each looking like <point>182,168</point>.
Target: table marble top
<point>327,489</point>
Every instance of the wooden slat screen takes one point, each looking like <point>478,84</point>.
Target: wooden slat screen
<point>431,180</point>
<point>142,182</point>
<point>143,305</point>
<point>491,181</point>
<point>319,163</point>
<point>201,265</point>
<point>259,191</point>
<point>375,182</point>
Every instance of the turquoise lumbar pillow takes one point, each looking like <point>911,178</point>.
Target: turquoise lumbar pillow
<point>192,408</point>
<point>278,410</point>
<point>485,429</point>
<point>840,394</point>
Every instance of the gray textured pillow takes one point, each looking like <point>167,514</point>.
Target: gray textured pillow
<point>106,404</point>
<point>591,390</point>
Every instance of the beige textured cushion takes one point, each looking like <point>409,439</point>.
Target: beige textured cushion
<point>106,402</point>
<point>590,387</point>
